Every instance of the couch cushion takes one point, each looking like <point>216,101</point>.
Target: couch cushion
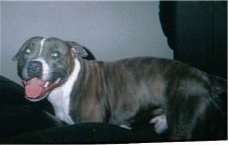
<point>80,133</point>
<point>11,93</point>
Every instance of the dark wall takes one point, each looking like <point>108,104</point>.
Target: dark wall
<point>197,32</point>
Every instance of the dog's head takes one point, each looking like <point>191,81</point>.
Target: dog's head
<point>44,64</point>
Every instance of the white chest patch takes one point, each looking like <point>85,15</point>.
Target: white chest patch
<point>60,96</point>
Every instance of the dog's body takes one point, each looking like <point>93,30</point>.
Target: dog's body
<point>169,95</point>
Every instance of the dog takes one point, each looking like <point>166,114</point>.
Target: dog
<point>168,95</point>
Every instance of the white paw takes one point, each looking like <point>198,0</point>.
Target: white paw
<point>125,126</point>
<point>160,123</point>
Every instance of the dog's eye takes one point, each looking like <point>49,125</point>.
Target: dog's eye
<point>28,50</point>
<point>55,54</point>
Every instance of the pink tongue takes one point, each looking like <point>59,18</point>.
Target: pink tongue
<point>35,88</point>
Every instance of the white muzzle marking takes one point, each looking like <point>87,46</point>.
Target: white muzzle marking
<point>45,68</point>
<point>41,46</point>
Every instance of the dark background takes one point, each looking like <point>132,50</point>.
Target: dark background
<point>197,33</point>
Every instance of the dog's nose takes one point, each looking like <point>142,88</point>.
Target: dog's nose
<point>34,69</point>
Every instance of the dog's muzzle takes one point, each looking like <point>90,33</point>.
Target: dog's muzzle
<point>36,86</point>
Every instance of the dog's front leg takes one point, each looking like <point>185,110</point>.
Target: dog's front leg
<point>89,111</point>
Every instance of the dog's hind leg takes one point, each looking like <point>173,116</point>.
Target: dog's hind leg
<point>190,117</point>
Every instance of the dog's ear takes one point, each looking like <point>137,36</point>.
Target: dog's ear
<point>15,58</point>
<point>20,52</point>
<point>77,49</point>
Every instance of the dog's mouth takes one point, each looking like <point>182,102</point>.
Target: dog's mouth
<point>36,88</point>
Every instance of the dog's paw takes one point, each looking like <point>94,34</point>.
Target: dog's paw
<point>125,126</point>
<point>160,124</point>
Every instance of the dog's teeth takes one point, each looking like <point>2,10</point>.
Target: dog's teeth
<point>46,84</point>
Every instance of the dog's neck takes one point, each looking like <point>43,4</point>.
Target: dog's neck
<point>60,96</point>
